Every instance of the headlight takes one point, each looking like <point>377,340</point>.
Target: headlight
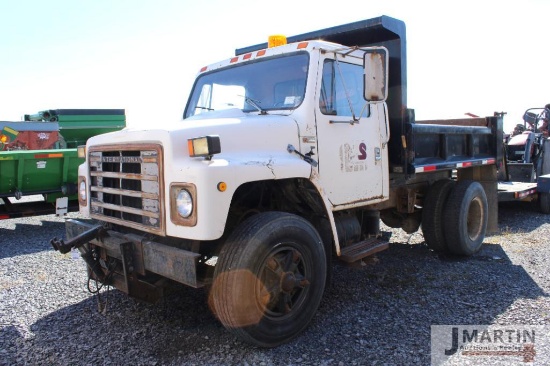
<point>184,203</point>
<point>204,146</point>
<point>82,192</point>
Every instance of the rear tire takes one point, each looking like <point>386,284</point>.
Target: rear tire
<point>269,279</point>
<point>432,214</point>
<point>466,214</point>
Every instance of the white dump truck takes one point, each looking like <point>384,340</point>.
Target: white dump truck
<point>288,156</point>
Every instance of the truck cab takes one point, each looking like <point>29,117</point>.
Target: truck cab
<point>317,88</point>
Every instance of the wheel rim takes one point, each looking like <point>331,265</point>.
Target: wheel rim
<point>284,281</point>
<point>475,218</point>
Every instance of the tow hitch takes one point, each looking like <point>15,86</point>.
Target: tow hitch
<point>77,241</point>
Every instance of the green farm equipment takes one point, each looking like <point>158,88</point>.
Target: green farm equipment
<point>39,156</point>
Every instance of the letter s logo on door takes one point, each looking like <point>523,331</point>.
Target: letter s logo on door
<point>362,151</point>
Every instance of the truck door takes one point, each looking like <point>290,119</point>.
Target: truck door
<point>352,157</point>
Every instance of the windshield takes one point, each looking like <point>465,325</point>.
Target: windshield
<point>263,85</point>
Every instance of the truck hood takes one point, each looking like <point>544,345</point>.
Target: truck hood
<point>239,133</point>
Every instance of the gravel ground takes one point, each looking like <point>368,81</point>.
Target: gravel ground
<point>379,313</point>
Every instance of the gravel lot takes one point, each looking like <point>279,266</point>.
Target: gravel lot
<point>379,313</point>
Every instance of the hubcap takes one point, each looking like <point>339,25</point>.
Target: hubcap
<point>284,282</point>
<point>475,217</point>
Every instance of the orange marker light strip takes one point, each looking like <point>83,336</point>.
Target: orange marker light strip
<point>302,45</point>
<point>247,56</point>
<point>234,59</point>
<point>42,156</point>
<point>204,69</point>
<point>260,53</point>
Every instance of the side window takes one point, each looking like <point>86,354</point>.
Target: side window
<point>337,79</point>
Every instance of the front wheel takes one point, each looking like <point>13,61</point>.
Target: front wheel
<point>269,278</point>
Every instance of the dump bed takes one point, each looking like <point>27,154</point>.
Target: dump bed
<point>453,144</point>
<point>414,146</point>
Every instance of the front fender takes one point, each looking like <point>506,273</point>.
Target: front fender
<point>212,204</point>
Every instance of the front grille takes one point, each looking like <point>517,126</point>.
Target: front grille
<point>126,186</point>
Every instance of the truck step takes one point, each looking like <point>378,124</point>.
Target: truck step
<point>363,249</point>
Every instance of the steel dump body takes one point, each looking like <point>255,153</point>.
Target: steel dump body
<point>452,144</point>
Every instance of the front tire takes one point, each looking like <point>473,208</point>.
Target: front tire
<point>466,214</point>
<point>269,278</point>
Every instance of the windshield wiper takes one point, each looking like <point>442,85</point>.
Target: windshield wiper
<point>254,103</point>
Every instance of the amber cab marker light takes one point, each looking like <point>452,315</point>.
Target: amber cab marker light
<point>222,186</point>
<point>276,40</point>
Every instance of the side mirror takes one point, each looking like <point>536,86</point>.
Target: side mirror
<point>375,81</point>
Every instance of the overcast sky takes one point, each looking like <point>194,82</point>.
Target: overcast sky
<point>142,55</point>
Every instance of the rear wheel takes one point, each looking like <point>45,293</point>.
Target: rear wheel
<point>432,214</point>
<point>269,278</point>
<point>466,214</point>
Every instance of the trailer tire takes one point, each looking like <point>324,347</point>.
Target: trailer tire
<point>269,278</point>
<point>466,215</point>
<point>432,214</point>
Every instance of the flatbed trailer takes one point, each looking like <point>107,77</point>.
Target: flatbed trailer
<point>524,174</point>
